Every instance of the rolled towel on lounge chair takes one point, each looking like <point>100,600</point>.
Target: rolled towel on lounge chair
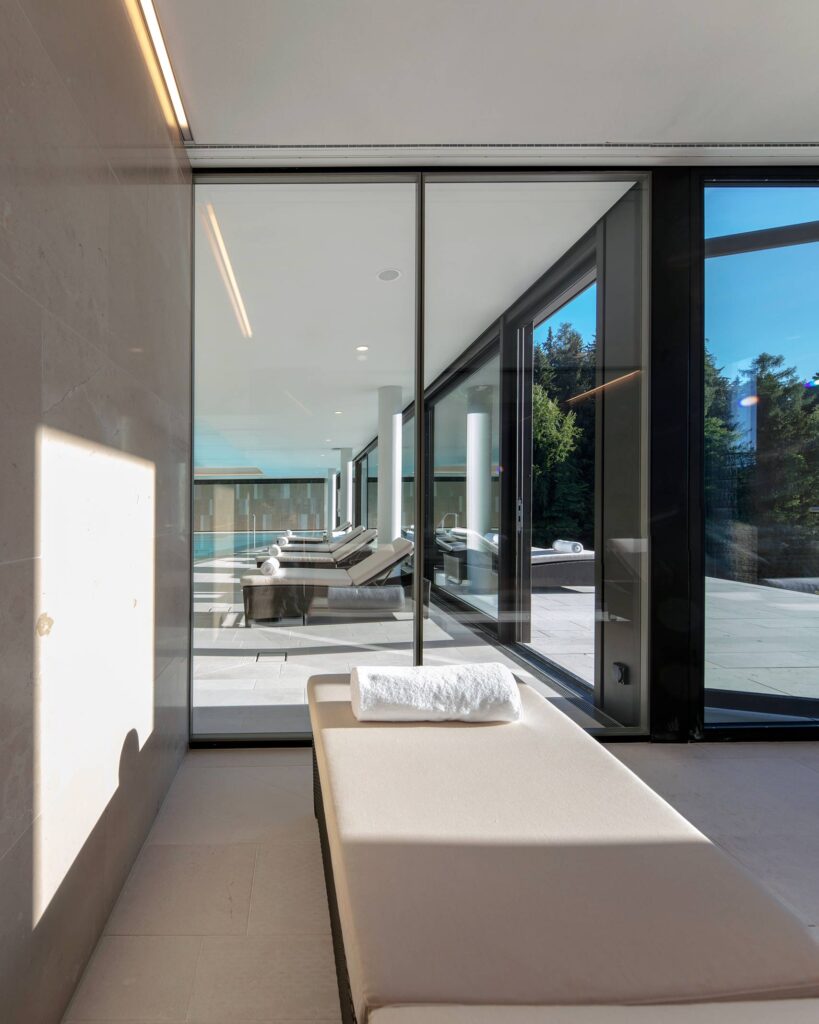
<point>283,541</point>
<point>568,547</point>
<point>275,550</point>
<point>270,567</point>
<point>441,693</point>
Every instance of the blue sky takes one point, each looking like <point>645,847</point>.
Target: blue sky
<point>581,313</point>
<point>765,301</point>
<point>755,302</point>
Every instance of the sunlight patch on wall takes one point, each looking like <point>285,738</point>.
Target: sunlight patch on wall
<point>94,636</point>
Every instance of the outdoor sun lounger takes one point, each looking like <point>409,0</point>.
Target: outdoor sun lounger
<point>306,544</point>
<point>524,868</point>
<point>291,591</point>
<point>322,537</point>
<point>550,568</point>
<point>354,550</point>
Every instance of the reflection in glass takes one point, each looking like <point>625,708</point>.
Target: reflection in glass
<point>563,491</point>
<point>762,467</point>
<point>287,412</point>
<point>466,493</point>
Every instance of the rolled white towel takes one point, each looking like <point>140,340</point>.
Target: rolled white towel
<point>568,547</point>
<point>283,541</point>
<point>275,550</point>
<point>441,693</point>
<point>270,567</point>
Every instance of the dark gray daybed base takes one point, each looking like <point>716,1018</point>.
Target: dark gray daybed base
<point>345,995</point>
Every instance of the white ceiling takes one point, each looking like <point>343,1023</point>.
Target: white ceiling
<point>436,72</point>
<point>306,259</point>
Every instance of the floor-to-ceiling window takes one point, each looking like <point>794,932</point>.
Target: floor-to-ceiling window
<point>304,352</point>
<point>761,446</point>
<point>532,482</point>
<point>536,359</point>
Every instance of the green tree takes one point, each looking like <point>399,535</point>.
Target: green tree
<point>563,441</point>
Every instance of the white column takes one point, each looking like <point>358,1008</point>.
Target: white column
<point>389,464</point>
<point>478,480</point>
<point>330,502</point>
<point>345,511</point>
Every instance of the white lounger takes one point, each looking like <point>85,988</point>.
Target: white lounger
<point>322,538</point>
<point>306,544</point>
<point>291,591</point>
<point>522,865</point>
<point>324,559</point>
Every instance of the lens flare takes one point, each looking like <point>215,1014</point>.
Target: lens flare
<point>748,401</point>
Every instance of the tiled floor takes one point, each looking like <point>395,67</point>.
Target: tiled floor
<point>758,801</point>
<point>760,640</point>
<point>253,681</point>
<point>224,917</point>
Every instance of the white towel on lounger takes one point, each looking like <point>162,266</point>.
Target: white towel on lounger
<point>283,541</point>
<point>440,693</point>
<point>270,567</point>
<point>275,550</point>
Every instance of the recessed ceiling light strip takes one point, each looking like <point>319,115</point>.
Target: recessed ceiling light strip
<point>151,20</point>
<point>220,254</point>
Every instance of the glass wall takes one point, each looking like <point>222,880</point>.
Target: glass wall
<point>534,406</point>
<point>304,336</point>
<point>234,517</point>
<point>536,532</point>
<point>761,454</point>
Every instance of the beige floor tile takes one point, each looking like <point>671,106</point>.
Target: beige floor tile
<point>242,804</point>
<point>186,890</point>
<point>264,979</point>
<point>786,864</point>
<point>289,897</point>
<point>136,977</point>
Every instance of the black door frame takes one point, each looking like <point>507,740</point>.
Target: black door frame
<point>676,496</point>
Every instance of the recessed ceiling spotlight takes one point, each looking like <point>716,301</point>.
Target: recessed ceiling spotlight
<point>328,440</point>
<point>338,412</point>
<point>388,275</point>
<point>362,348</point>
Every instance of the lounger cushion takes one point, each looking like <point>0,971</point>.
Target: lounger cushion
<point>791,1011</point>
<point>329,558</point>
<point>548,556</point>
<point>300,577</point>
<point>383,556</point>
<point>523,864</point>
<point>297,543</point>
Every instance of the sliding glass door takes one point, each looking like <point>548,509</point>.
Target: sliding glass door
<point>537,395</point>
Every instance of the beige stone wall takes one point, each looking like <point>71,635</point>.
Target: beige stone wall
<point>95,198</point>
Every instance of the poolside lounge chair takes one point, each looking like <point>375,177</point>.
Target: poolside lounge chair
<point>308,544</point>
<point>550,568</point>
<point>291,591</point>
<point>323,536</point>
<point>354,550</point>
